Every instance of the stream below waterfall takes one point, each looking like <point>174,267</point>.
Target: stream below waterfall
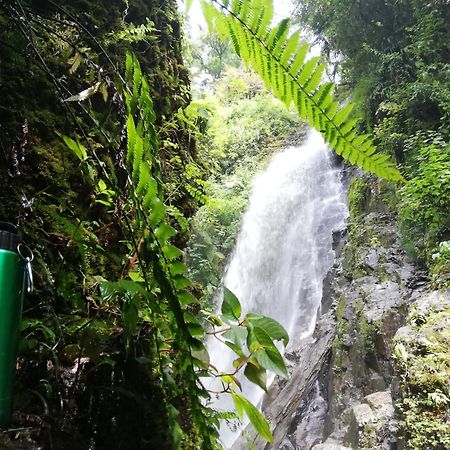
<point>284,248</point>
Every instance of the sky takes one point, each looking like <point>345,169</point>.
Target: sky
<point>283,9</point>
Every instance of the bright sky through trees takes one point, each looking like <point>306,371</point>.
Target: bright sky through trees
<point>283,8</point>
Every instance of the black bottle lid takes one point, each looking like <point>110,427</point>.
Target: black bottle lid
<point>10,237</point>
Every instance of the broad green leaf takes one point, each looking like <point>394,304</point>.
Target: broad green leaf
<point>201,355</point>
<point>186,298</point>
<point>190,318</point>
<point>236,349</point>
<point>195,330</point>
<point>171,252</point>
<point>178,268</point>
<point>256,375</point>
<point>231,307</point>
<point>164,232</point>
<point>196,345</point>
<point>78,149</point>
<point>181,282</point>
<point>270,326</point>
<point>265,351</point>
<point>238,335</point>
<point>271,359</point>
<point>256,418</point>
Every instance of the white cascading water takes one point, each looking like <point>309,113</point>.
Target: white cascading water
<point>284,249</point>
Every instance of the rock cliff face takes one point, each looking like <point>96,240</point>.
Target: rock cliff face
<point>422,353</point>
<point>344,385</point>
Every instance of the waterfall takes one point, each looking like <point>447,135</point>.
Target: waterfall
<point>284,248</point>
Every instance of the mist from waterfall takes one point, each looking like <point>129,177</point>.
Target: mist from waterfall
<point>284,248</point>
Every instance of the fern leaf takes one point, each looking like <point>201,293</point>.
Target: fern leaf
<point>278,56</point>
<point>289,49</point>
<point>342,114</point>
<point>277,36</point>
<point>299,59</point>
<point>315,79</point>
<point>307,70</point>
<point>131,138</point>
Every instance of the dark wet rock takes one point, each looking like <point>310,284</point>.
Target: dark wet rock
<point>370,420</point>
<point>289,404</point>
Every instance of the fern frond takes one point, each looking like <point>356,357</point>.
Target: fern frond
<point>278,56</point>
<point>142,141</point>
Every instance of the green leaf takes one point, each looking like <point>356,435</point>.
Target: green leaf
<point>196,345</point>
<point>238,335</point>
<point>164,232</point>
<point>278,57</point>
<point>265,351</point>
<point>231,307</point>
<point>256,418</point>
<point>236,349</point>
<point>256,375</point>
<point>172,252</point>
<point>177,268</point>
<point>202,356</point>
<point>195,330</point>
<point>186,298</point>
<point>158,212</point>
<point>270,326</point>
<point>271,359</point>
<point>78,149</point>
<point>181,282</point>
<point>231,380</point>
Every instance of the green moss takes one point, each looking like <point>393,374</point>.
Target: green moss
<point>340,308</point>
<point>358,197</point>
<point>424,368</point>
<point>339,351</point>
<point>366,333</point>
<point>368,437</point>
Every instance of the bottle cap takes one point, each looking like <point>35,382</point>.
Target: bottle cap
<point>10,237</point>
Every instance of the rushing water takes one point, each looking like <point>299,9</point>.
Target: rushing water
<point>284,248</point>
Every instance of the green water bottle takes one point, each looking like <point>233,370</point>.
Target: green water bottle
<point>15,280</point>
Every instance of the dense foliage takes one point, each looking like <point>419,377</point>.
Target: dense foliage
<point>395,57</point>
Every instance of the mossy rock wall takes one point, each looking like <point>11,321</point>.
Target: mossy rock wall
<point>111,398</point>
<point>422,356</point>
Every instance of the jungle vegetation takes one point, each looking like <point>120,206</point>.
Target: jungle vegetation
<point>106,158</point>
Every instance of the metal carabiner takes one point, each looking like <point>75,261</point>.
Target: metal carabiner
<point>28,270</point>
